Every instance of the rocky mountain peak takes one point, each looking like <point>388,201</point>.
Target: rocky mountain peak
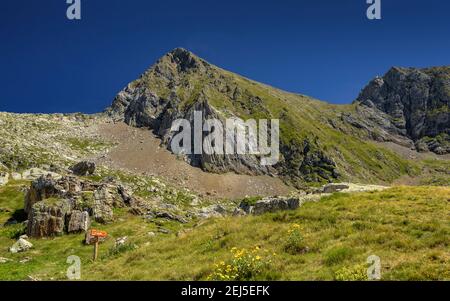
<point>183,57</point>
<point>178,61</point>
<point>417,101</point>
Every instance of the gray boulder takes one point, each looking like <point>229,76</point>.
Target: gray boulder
<point>332,188</point>
<point>78,221</point>
<point>4,178</point>
<point>48,218</point>
<point>239,212</point>
<point>138,206</point>
<point>21,245</point>
<point>121,241</point>
<point>83,168</point>
<point>4,260</point>
<point>46,187</point>
<point>211,211</point>
<point>170,216</point>
<point>42,188</point>
<point>35,173</point>
<point>102,209</point>
<point>270,205</point>
<point>57,206</point>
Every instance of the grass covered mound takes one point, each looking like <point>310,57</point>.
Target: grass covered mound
<point>408,228</point>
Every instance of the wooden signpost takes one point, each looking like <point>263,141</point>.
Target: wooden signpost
<point>97,234</point>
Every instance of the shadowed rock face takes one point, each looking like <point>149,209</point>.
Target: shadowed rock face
<point>417,103</point>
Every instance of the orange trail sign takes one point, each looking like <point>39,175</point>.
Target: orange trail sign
<point>97,234</point>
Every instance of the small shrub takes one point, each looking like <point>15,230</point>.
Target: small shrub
<point>250,201</point>
<point>13,231</point>
<point>245,265</point>
<point>294,242</point>
<point>337,255</point>
<point>114,251</point>
<point>280,217</point>
<point>356,273</point>
<point>360,226</point>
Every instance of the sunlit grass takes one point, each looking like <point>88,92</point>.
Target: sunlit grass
<point>407,227</point>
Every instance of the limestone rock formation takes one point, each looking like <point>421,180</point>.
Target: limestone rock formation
<point>334,187</point>
<point>48,218</point>
<point>4,178</point>
<point>270,205</point>
<point>67,205</point>
<point>78,221</point>
<point>21,245</point>
<point>83,168</point>
<point>417,103</point>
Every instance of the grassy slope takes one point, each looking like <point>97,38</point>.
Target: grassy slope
<point>407,227</point>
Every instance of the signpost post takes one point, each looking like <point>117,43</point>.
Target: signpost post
<point>97,234</point>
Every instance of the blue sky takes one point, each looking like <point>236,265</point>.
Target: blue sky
<point>327,49</point>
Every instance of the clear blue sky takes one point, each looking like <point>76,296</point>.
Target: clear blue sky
<point>327,49</point>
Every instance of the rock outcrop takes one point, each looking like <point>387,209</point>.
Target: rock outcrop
<point>48,218</point>
<point>83,168</point>
<point>21,245</point>
<point>269,205</point>
<point>211,211</point>
<point>43,188</point>
<point>4,178</point>
<point>67,205</point>
<point>334,187</point>
<point>78,221</point>
<point>417,104</point>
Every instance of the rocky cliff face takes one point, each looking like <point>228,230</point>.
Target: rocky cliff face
<point>319,142</point>
<point>417,104</point>
<point>181,83</point>
<point>174,88</point>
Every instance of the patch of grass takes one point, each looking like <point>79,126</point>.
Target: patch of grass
<point>12,201</point>
<point>87,144</point>
<point>12,195</point>
<point>250,201</point>
<point>13,231</point>
<point>117,250</point>
<point>244,265</point>
<point>337,255</point>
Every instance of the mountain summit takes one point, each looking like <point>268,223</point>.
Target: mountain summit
<point>319,142</point>
<point>417,102</point>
